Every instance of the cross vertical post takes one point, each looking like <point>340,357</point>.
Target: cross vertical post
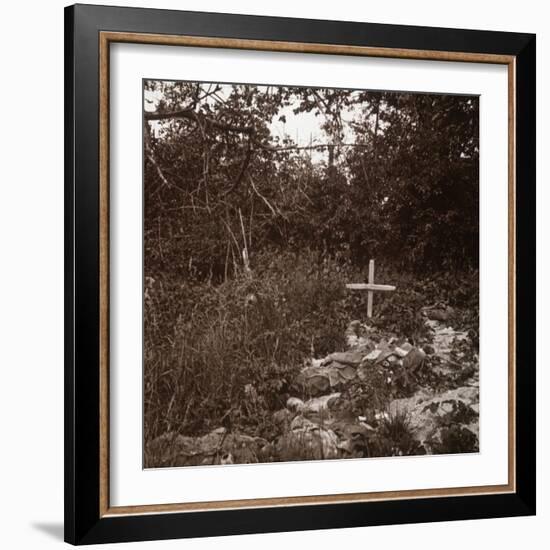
<point>370,287</point>
<point>370,293</point>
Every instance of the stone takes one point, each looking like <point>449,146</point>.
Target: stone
<point>429,415</point>
<point>414,360</point>
<point>282,417</point>
<point>319,380</point>
<point>373,355</point>
<point>305,441</point>
<point>403,349</point>
<point>318,404</point>
<point>352,358</point>
<point>294,404</point>
<point>172,449</point>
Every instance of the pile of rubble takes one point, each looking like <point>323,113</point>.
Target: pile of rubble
<point>217,447</point>
<point>327,425</point>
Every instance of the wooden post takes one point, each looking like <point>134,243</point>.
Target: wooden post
<point>370,294</point>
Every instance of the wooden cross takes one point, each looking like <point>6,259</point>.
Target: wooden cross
<point>371,287</point>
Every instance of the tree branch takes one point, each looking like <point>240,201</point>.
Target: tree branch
<point>202,120</point>
<point>190,114</point>
<point>273,149</point>
<point>151,157</point>
<point>244,166</point>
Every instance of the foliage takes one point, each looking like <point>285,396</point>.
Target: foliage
<point>249,238</point>
<point>395,437</point>
<point>397,181</point>
<point>456,439</point>
<point>205,343</point>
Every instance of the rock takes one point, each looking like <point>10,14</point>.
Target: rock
<point>354,439</point>
<point>171,449</point>
<point>336,409</point>
<point>305,441</point>
<point>318,404</point>
<point>314,436</point>
<point>444,338</point>
<point>352,358</point>
<point>414,360</point>
<point>294,404</point>
<point>386,352</point>
<point>282,417</point>
<point>403,349</point>
<point>332,415</point>
<point>319,380</point>
<point>373,355</point>
<point>227,459</point>
<point>430,416</point>
<point>313,380</point>
<point>338,369</point>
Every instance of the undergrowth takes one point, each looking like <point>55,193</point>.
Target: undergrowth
<point>208,346</point>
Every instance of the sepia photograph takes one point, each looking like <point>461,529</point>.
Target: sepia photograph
<point>310,273</point>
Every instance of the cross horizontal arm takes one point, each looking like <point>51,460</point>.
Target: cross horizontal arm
<point>370,286</point>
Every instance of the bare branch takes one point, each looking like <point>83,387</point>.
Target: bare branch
<point>262,197</point>
<point>319,146</point>
<point>190,114</point>
<point>151,157</point>
<point>244,166</point>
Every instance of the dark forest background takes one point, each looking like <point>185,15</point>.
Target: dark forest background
<point>250,237</point>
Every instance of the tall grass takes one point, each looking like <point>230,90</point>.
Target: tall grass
<point>205,343</point>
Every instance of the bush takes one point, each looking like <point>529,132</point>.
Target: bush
<point>204,343</point>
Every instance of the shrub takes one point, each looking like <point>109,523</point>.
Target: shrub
<point>395,437</point>
<point>204,343</point>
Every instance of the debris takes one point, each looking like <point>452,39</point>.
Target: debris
<point>172,449</point>
<point>338,369</point>
<point>403,349</point>
<point>227,459</point>
<point>429,414</point>
<point>319,380</point>
<point>304,441</point>
<point>282,417</point>
<point>342,417</point>
<point>318,404</point>
<point>352,358</point>
<point>373,355</point>
<point>444,337</point>
<point>294,404</point>
<point>414,360</point>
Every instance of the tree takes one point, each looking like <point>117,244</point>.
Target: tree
<point>396,177</point>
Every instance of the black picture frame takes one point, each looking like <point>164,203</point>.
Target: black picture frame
<point>84,523</point>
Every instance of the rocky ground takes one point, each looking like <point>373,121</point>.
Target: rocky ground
<point>382,396</point>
